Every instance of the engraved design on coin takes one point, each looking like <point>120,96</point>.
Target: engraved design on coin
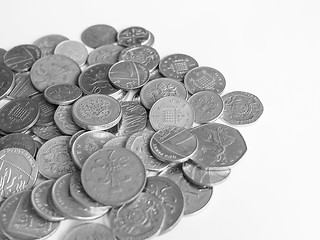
<point>133,36</point>
<point>105,54</point>
<point>48,43</point>
<point>96,108</point>
<point>22,86</point>
<point>64,121</point>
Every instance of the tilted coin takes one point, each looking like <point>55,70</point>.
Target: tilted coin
<point>96,112</point>
<point>62,94</point>
<point>173,144</point>
<point>18,171</point>
<point>53,158</point>
<point>22,86</point>
<point>141,219</point>
<point>218,146</point>
<point>207,106</point>
<point>74,137</point>
<point>74,50</point>
<point>105,54</point>
<point>171,197</point>
<point>133,36</point>
<point>119,141</point>
<point>204,79</point>
<point>113,176</point>
<point>18,115</point>
<point>155,74</point>
<point>48,43</point>
<point>18,140</point>
<point>63,120</point>
<point>46,110</point>
<point>47,132</point>
<point>151,39</point>
<point>88,231</point>
<point>176,66</point>
<point>88,143</point>
<point>171,111</point>
<point>128,75</point>
<point>241,108</point>
<point>6,80</point>
<point>54,69</point>
<point>98,35</point>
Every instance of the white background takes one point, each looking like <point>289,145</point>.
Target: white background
<point>268,48</point>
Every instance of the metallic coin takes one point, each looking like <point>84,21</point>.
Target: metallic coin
<point>241,108</point>
<point>18,140</point>
<point>86,231</point>
<point>147,56</point>
<point>22,86</point>
<point>48,43</point>
<point>171,111</point>
<point>18,171</point>
<point>134,118</point>
<point>62,94</point>
<point>133,36</point>
<point>155,74</point>
<point>74,137</point>
<point>88,143</point>
<point>6,80</point>
<point>37,145</point>
<point>119,141</point>
<point>195,198</point>
<point>41,199</point>
<point>18,115</point>
<point>150,40</point>
<point>207,106</point>
<point>22,57</point>
<point>218,146</point>
<point>176,66</point>
<point>128,75</point>
<point>113,176</point>
<point>54,69</point>
<point>53,158</point>
<point>108,54</point>
<point>141,219</point>
<point>96,112</point>
<point>63,120</point>
<point>46,110</point>
<point>20,221</point>
<point>74,50</point>
<point>98,35</point>
<point>65,203</point>
<point>204,78</point>
<point>46,133</point>
<point>159,88</point>
<point>2,53</point>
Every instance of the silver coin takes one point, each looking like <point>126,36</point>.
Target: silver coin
<point>48,43</point>
<point>105,54</point>
<point>90,231</point>
<point>74,50</point>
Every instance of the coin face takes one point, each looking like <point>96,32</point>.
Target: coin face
<point>241,108</point>
<point>46,110</point>
<point>74,137</point>
<point>47,132</point>
<point>119,141</point>
<point>113,176</point>
<point>218,146</point>
<point>133,36</point>
<point>98,35</point>
<point>90,231</point>
<point>96,112</point>
<point>6,80</point>
<point>22,86</point>
<point>141,219</point>
<point>74,50</point>
<point>171,111</point>
<point>108,54</point>
<point>63,120</point>
<point>62,94</point>
<point>48,43</point>
<point>18,140</point>
<point>54,69</point>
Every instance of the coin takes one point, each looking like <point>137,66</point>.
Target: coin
<point>53,158</point>
<point>98,35</point>
<point>18,140</point>
<point>96,112</point>
<point>62,94</point>
<point>54,69</point>
<point>74,137</point>
<point>113,176</point>
<point>141,219</point>
<point>207,106</point>
<point>22,86</point>
<point>171,111</point>
<point>218,146</point>
<point>48,43</point>
<point>2,53</point>
<point>47,132</point>
<point>6,80</point>
<point>63,120</point>
<point>176,66</point>
<point>18,115</point>
<point>204,78</point>
<point>88,143</point>
<point>46,110</point>
<point>241,108</point>
<point>119,141</point>
<point>128,75</point>
<point>155,74</point>
<point>74,50</point>
<point>108,54</point>
<point>88,231</point>
<point>159,88</point>
<point>133,36</point>
<point>21,58</point>
<point>171,197</point>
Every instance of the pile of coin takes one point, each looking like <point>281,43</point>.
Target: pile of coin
<point>105,127</point>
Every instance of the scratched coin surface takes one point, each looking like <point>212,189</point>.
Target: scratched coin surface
<point>22,86</point>
<point>88,143</point>
<point>6,80</point>
<point>88,231</point>
<point>105,54</point>
<point>113,176</point>
<point>48,43</point>
<point>18,140</point>
<point>176,66</point>
<point>241,108</point>
<point>218,146</point>
<point>171,197</point>
<point>62,94</point>
<point>98,35</point>
<point>47,132</point>
<point>204,78</point>
<point>63,120</point>
<point>46,110</point>
<point>141,219</point>
<point>74,50</point>
<point>18,115</point>
<point>128,75</point>
<point>96,112</point>
<point>53,158</point>
<point>207,106</point>
<point>171,111</point>
<point>133,36</point>
<point>54,69</point>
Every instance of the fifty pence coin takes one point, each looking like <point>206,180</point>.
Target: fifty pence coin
<point>46,110</point>
<point>133,36</point>
<point>6,80</point>
<point>22,86</point>
<point>18,140</point>
<point>108,54</point>
<point>62,94</point>
<point>98,35</point>
<point>86,231</point>
<point>48,43</point>
<point>63,120</point>
<point>74,50</point>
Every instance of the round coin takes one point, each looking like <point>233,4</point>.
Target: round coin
<point>46,110</point>
<point>113,176</point>
<point>74,137</point>
<point>2,53</point>
<point>48,43</point>
<point>63,120</point>
<point>18,140</point>
<point>22,86</point>
<point>92,231</point>
<point>74,50</point>
<point>46,133</point>
<point>6,80</point>
<point>98,35</point>
<point>133,36</point>
<point>119,141</point>
<point>108,54</point>
<point>62,94</point>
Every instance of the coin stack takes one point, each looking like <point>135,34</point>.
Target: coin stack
<point>105,128</point>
